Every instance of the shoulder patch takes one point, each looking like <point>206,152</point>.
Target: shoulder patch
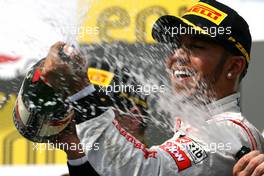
<point>179,156</point>
<point>195,150</point>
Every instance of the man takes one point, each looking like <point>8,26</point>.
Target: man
<point>203,63</point>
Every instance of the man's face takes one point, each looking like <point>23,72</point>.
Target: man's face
<point>196,66</point>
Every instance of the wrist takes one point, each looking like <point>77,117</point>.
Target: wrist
<point>74,154</point>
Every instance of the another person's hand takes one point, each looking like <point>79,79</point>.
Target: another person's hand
<point>68,75</point>
<point>251,164</point>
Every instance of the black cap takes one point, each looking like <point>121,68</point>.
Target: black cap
<point>211,19</point>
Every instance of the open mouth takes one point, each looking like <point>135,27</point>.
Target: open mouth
<point>183,73</point>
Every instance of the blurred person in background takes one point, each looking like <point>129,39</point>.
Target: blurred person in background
<point>252,164</point>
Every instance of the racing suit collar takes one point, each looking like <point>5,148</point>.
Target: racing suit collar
<point>229,103</point>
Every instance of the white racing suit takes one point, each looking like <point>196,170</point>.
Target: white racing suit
<point>122,154</point>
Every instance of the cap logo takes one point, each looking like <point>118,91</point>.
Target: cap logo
<point>206,11</point>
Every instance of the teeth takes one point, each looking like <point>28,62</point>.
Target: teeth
<point>179,73</point>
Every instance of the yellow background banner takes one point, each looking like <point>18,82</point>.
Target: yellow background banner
<point>126,20</point>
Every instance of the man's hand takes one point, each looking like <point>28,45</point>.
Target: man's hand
<point>251,164</point>
<point>69,142</point>
<point>67,75</point>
